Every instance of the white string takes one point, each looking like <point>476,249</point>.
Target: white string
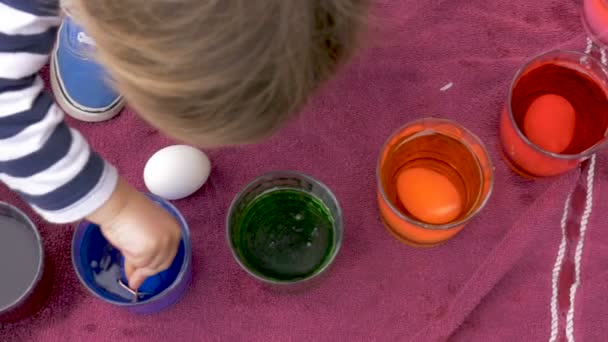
<point>580,245</point>
<point>556,271</point>
<point>589,47</point>
<point>579,250</point>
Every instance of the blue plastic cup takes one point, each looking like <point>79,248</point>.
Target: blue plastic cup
<point>100,268</point>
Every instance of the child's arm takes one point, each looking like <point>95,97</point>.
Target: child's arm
<point>51,165</point>
<point>48,164</point>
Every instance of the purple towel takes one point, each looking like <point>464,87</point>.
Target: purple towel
<point>496,281</point>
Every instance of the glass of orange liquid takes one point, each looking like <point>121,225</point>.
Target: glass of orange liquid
<point>556,114</point>
<point>433,177</point>
<point>595,20</point>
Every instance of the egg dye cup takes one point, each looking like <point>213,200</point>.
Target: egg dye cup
<point>279,180</point>
<point>91,251</point>
<point>526,158</point>
<point>408,229</point>
<point>594,15</point>
<point>21,303</point>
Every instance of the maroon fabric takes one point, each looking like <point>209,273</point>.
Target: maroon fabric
<point>493,282</point>
<point>36,300</point>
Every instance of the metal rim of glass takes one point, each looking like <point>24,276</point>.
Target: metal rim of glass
<point>23,218</point>
<point>337,217</point>
<point>578,55</point>
<point>421,224</point>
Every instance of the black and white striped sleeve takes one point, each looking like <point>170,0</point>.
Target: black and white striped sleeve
<point>47,163</point>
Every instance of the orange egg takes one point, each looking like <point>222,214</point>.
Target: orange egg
<point>428,195</point>
<point>550,122</point>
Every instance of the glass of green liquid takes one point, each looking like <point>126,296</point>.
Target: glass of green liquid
<point>285,228</point>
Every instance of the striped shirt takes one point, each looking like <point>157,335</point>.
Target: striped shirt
<point>48,164</point>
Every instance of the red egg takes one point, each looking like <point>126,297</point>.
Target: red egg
<point>428,195</point>
<point>550,123</point>
<point>595,14</point>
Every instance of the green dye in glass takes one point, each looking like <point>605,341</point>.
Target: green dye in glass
<point>284,234</point>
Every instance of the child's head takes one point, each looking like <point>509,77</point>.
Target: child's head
<point>214,72</point>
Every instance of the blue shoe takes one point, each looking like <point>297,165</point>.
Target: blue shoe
<point>79,83</point>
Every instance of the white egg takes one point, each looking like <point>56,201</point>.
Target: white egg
<point>176,171</point>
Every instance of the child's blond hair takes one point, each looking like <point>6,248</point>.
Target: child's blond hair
<point>213,72</point>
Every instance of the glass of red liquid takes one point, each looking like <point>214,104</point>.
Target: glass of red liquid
<point>556,115</point>
<point>595,20</point>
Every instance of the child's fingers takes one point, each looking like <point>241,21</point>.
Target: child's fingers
<point>129,270</point>
<point>162,261</point>
<point>165,264</point>
<point>138,277</point>
<point>141,274</point>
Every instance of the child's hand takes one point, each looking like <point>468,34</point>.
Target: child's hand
<point>147,235</point>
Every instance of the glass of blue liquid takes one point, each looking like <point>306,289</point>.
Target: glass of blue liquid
<point>100,268</point>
